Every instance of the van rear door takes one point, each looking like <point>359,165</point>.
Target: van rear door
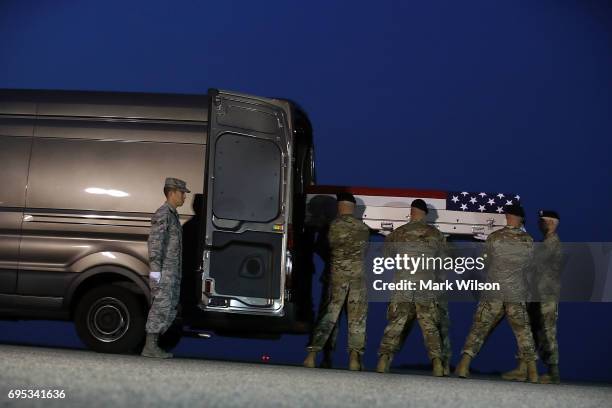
<point>247,192</point>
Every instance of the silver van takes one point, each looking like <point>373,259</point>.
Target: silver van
<point>81,173</point>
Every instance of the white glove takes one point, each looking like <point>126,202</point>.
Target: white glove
<point>155,276</point>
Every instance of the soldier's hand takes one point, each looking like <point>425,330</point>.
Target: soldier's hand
<point>155,276</point>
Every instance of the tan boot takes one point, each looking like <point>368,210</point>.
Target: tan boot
<point>447,369</point>
<point>552,377</point>
<point>532,372</point>
<point>438,369</point>
<point>463,368</point>
<point>327,359</point>
<point>354,361</point>
<point>518,374</point>
<point>311,360</point>
<point>151,348</point>
<point>384,363</point>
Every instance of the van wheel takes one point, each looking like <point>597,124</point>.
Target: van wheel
<point>110,319</point>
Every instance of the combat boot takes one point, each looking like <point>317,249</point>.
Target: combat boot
<point>327,359</point>
<point>311,360</point>
<point>518,374</point>
<point>384,363</point>
<point>532,372</point>
<point>463,368</point>
<point>552,377</point>
<point>354,361</point>
<point>447,369</point>
<point>151,348</point>
<point>438,370</point>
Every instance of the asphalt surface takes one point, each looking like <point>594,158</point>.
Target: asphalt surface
<point>99,380</point>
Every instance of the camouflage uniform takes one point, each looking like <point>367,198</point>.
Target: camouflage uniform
<point>508,254</point>
<point>543,314</point>
<point>444,328</point>
<point>323,250</point>
<point>326,298</point>
<point>424,306</point>
<point>165,256</point>
<point>348,238</point>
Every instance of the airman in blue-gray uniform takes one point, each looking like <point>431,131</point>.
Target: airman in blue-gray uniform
<point>165,265</point>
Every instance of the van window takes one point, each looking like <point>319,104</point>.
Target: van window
<point>110,176</point>
<point>247,178</point>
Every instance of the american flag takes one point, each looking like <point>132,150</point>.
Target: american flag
<point>453,212</point>
<point>480,202</point>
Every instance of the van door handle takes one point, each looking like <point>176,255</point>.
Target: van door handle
<point>28,217</point>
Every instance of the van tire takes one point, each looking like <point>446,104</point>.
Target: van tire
<point>110,319</point>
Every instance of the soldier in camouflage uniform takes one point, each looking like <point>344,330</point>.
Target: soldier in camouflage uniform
<point>415,238</point>
<point>444,328</point>
<point>165,259</point>
<point>348,240</point>
<point>326,298</point>
<point>544,311</point>
<point>508,254</point>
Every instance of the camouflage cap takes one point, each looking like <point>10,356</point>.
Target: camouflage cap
<point>179,184</point>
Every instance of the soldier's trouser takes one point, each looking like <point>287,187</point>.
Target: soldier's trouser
<point>487,317</point>
<point>164,299</point>
<point>444,327</point>
<point>543,317</point>
<point>326,296</point>
<point>354,293</point>
<point>400,317</point>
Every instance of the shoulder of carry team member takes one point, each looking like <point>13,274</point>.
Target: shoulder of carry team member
<point>346,227</point>
<point>509,233</point>
<point>506,234</point>
<point>415,231</point>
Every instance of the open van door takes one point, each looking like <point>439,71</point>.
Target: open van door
<point>247,211</point>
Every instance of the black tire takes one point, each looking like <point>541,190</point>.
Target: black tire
<point>171,337</point>
<point>111,319</point>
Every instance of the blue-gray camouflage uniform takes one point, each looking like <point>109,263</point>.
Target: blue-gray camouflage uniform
<point>165,256</point>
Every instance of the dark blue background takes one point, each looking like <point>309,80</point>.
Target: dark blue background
<point>476,95</point>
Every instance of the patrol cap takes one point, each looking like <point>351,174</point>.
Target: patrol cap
<point>515,209</point>
<point>548,214</point>
<point>420,204</point>
<point>178,184</point>
<point>346,197</point>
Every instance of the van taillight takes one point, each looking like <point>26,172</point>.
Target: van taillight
<point>208,286</point>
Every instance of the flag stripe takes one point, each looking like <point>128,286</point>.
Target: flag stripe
<point>370,191</point>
